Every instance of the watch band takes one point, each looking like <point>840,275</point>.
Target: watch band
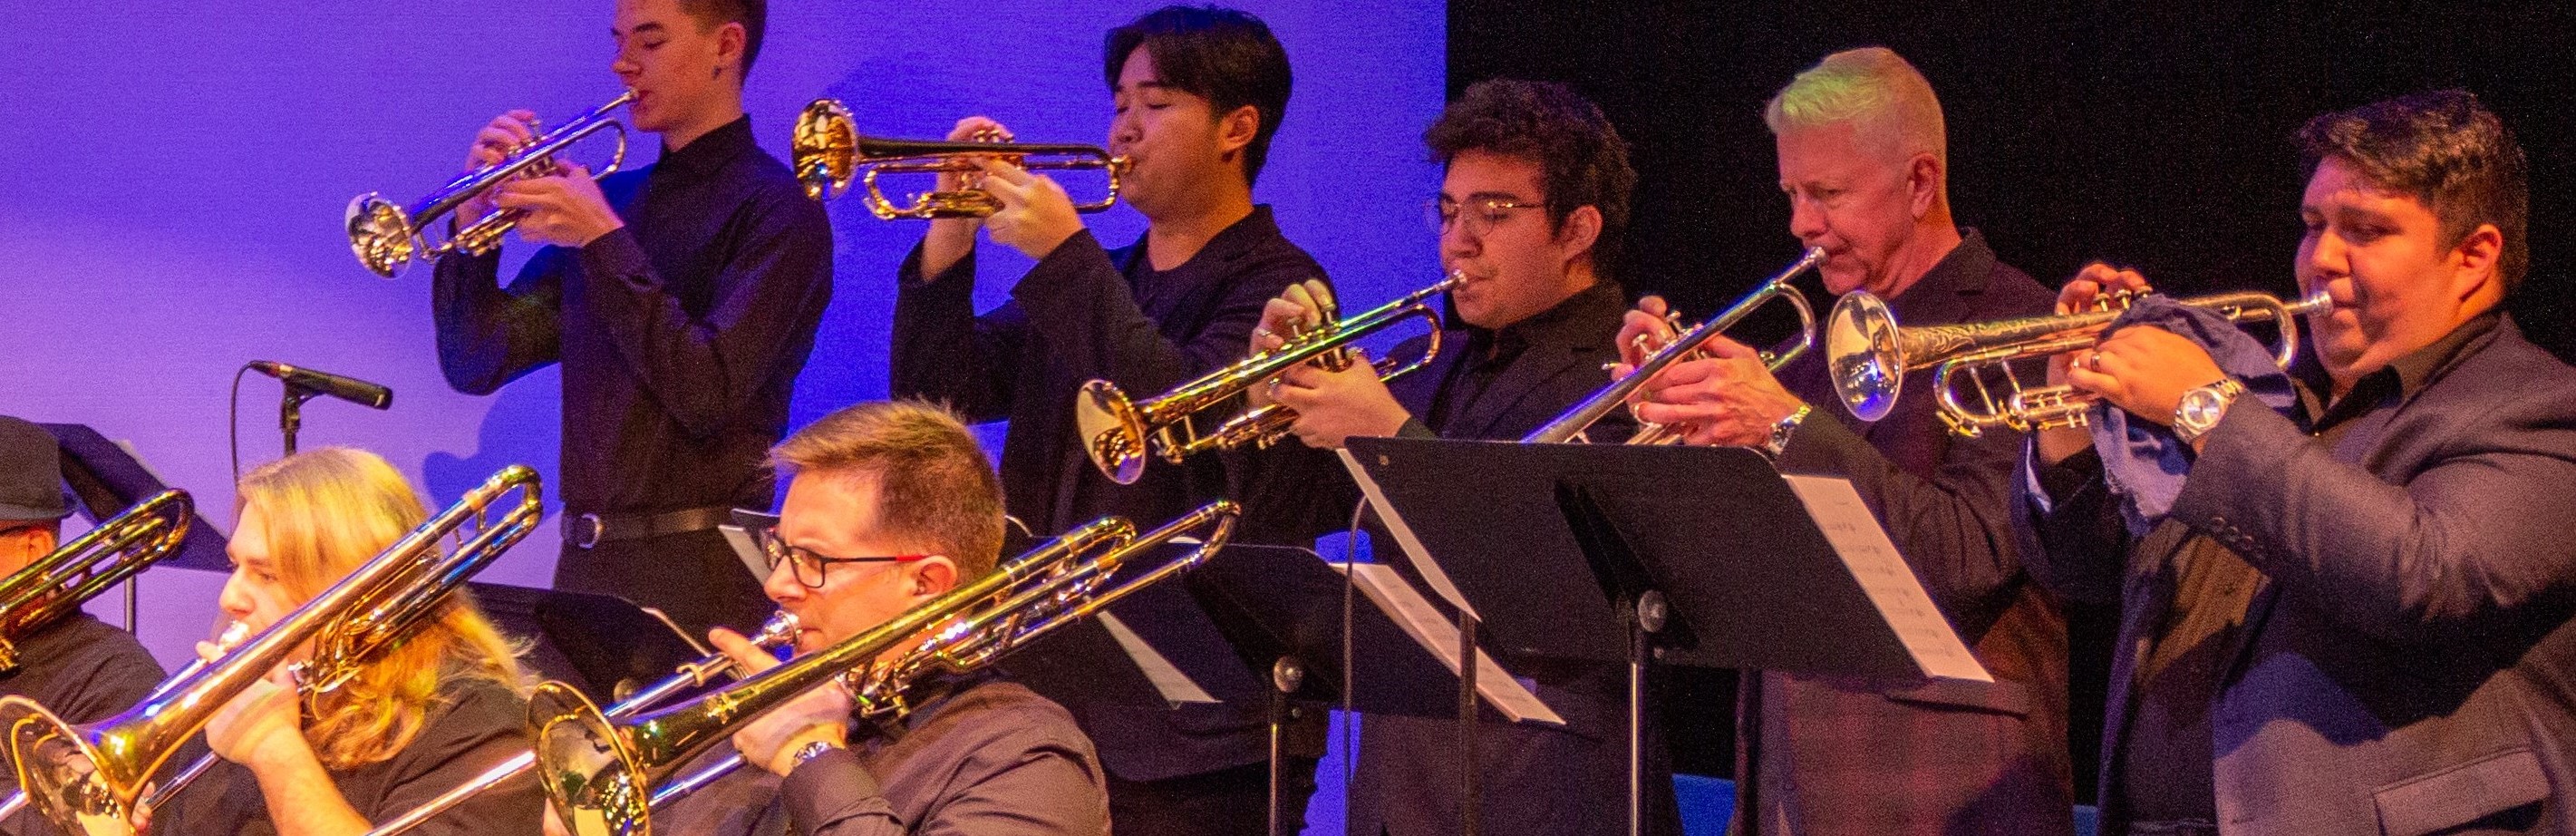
<point>2189,430</point>
<point>811,751</point>
<point>1783,429</point>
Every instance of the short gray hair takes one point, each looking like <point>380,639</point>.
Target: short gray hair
<point>1888,102</point>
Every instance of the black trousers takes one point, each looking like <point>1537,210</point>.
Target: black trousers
<point>693,577</point>
<point>1227,802</point>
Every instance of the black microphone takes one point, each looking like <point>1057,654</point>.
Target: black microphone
<point>349,389</point>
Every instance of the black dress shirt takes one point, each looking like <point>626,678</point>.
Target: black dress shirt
<point>1086,313</point>
<point>989,758</point>
<point>473,725</point>
<point>681,334</point>
<point>82,670</point>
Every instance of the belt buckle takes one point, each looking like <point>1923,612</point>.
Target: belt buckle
<point>584,530</point>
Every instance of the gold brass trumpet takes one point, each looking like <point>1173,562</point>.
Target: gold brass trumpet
<point>1571,425</point>
<point>605,777</point>
<point>1118,432</point>
<point>88,779</point>
<point>829,154</point>
<point>57,584</point>
<point>386,237</point>
<point>1870,355</point>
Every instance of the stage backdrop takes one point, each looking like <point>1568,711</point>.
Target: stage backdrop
<point>177,172</point>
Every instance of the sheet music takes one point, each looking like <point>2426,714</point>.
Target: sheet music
<point>1883,575</point>
<point>1412,612</point>
<point>1412,546</point>
<point>1175,686</point>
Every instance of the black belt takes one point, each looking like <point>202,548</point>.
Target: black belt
<point>588,530</point>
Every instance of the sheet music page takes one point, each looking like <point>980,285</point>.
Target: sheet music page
<point>1883,575</point>
<point>1437,634</point>
<point>1403,532</point>
<point>1175,686</point>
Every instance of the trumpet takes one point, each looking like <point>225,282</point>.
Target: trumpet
<point>829,152</point>
<point>1572,424</point>
<point>779,631</point>
<point>89,779</point>
<point>1117,432</point>
<point>605,777</point>
<point>386,237</point>
<point>57,584</point>
<point>1870,355</point>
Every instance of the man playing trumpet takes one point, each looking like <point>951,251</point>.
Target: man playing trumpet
<point>1865,164</point>
<point>889,505</point>
<point>2353,615</point>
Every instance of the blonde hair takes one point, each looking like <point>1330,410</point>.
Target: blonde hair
<point>1887,102</point>
<point>934,484</point>
<point>329,511</point>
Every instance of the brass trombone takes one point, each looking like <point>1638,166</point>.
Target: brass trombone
<point>605,777</point>
<point>1870,354</point>
<point>57,584</point>
<point>1118,432</point>
<point>829,153</point>
<point>89,779</point>
<point>386,237</point>
<point>1571,425</point>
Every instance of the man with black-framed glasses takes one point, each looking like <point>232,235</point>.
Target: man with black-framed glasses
<point>1531,210</point>
<point>889,505</point>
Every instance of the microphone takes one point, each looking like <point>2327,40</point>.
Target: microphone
<point>353,390</point>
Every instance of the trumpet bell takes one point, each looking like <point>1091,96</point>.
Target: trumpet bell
<point>1113,431</point>
<point>381,235</point>
<point>605,782</point>
<point>826,149</point>
<point>1868,362</point>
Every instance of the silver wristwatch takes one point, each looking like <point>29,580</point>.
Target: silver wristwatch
<point>811,751</point>
<point>1782,429</point>
<point>2202,407</point>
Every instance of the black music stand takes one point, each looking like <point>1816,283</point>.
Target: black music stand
<point>605,645</point>
<point>107,479</point>
<point>1610,553</point>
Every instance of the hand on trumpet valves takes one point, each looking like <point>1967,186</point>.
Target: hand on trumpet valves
<point>1641,331</point>
<point>770,742</point>
<point>493,144</point>
<point>564,209</point>
<point>1727,398</point>
<point>1296,311</point>
<point>2091,288</point>
<point>1332,405</point>
<point>1036,214</point>
<point>950,240</point>
<point>2144,370</point>
<point>262,727</point>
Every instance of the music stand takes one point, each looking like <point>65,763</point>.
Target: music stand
<point>1688,555</point>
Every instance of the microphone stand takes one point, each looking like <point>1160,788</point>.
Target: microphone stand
<point>290,412</point>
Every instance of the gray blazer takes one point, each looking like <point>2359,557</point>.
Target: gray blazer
<point>2407,663</point>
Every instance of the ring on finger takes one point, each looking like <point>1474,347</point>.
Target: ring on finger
<point>2093,361</point>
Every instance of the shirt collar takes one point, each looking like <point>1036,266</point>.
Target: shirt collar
<point>1236,239</point>
<point>1936,297</point>
<point>2407,375</point>
<point>1555,325</point>
<point>710,152</point>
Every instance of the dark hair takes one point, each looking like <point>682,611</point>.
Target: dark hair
<point>1222,55</point>
<point>1581,160</point>
<point>2444,149</point>
<point>752,14</point>
<point>933,483</point>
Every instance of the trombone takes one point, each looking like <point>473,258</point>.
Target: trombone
<point>89,779</point>
<point>605,777</point>
<point>1117,432</point>
<point>386,237</point>
<point>1870,355</point>
<point>57,584</point>
<point>1571,425</point>
<point>779,631</point>
<point>829,153</point>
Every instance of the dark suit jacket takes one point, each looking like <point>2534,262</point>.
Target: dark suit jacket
<point>1085,313</point>
<point>2406,663</point>
<point>1534,779</point>
<point>1945,758</point>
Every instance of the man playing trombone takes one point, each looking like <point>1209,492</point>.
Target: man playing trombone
<point>1531,211</point>
<point>1865,165</point>
<point>1199,93</point>
<point>2352,614</point>
<point>889,505</point>
<point>681,299</point>
<point>79,667</point>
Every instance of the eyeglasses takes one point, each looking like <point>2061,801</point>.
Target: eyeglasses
<point>1480,215</point>
<point>807,565</point>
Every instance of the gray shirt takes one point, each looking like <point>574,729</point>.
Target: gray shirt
<point>989,757</point>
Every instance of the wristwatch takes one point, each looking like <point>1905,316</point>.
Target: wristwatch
<point>810,751</point>
<point>2202,407</point>
<point>1782,429</point>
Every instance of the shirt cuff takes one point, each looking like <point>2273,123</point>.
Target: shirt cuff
<point>2049,485</point>
<point>831,787</point>
<point>615,255</point>
<point>909,275</point>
